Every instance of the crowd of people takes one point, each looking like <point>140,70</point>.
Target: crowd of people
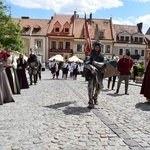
<point>13,73</point>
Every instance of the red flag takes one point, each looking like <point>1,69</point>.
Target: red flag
<point>88,47</point>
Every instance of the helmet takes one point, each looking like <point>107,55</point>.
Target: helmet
<point>97,42</point>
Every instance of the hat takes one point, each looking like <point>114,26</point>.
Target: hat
<point>97,42</point>
<point>128,53</point>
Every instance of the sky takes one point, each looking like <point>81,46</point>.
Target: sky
<point>125,12</point>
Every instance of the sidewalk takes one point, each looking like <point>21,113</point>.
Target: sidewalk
<point>52,115</point>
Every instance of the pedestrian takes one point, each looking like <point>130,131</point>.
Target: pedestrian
<point>21,72</point>
<point>135,71</point>
<point>39,69</point>
<point>95,65</point>
<point>5,90</point>
<point>33,67</point>
<point>65,70</point>
<point>43,66</point>
<point>53,68</point>
<point>124,66</point>
<point>75,70</point>
<point>11,72</point>
<point>145,89</point>
<point>114,64</point>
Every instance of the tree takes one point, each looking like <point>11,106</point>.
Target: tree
<point>9,31</point>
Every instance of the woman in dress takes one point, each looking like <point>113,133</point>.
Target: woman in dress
<point>146,82</point>
<point>5,90</point>
<point>21,66</point>
<point>12,73</point>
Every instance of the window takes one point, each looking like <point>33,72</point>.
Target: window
<point>127,38</point>
<point>107,49</point>
<point>136,39</point>
<point>66,30</point>
<point>102,48</point>
<point>141,39</point>
<point>39,44</point>
<point>122,38</point>
<point>136,51</point>
<point>67,45</point>
<point>101,33</point>
<point>53,44</point>
<point>120,51</point>
<point>56,29</point>
<point>142,52</point>
<point>60,46</point>
<point>79,47</point>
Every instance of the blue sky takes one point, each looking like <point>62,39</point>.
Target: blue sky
<point>128,12</point>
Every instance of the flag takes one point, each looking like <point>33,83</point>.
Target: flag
<point>88,47</point>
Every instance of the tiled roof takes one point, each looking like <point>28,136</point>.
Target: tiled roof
<point>95,27</point>
<point>62,19</point>
<point>104,24</point>
<point>79,28</point>
<point>148,32</point>
<point>128,28</point>
<point>42,24</point>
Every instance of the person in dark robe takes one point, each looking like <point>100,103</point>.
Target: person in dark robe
<point>145,89</point>
<point>5,90</point>
<point>33,67</point>
<point>21,67</point>
<point>12,73</point>
<point>135,71</point>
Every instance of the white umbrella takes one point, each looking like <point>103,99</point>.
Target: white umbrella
<point>75,59</point>
<point>57,58</point>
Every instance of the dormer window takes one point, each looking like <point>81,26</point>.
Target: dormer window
<point>66,30</point>
<point>122,38</point>
<point>56,29</point>
<point>101,34</point>
<point>26,28</point>
<point>36,29</point>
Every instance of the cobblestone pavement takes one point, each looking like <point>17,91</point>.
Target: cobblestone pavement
<point>53,115</point>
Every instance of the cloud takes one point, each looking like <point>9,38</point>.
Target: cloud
<point>69,6</point>
<point>141,0</point>
<point>128,21</point>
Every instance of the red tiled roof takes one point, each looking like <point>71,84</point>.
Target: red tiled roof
<point>42,24</point>
<point>62,19</point>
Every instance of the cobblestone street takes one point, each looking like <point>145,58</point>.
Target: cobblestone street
<point>53,115</point>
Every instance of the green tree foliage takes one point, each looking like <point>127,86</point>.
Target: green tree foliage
<point>9,31</point>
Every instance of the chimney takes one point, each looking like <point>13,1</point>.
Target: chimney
<point>90,16</point>
<point>24,17</point>
<point>139,25</point>
<point>75,13</point>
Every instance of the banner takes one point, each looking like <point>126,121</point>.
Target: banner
<point>88,47</point>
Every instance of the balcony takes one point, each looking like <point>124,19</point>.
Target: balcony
<point>61,50</point>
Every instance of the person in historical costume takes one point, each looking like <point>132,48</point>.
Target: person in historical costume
<point>75,70</point>
<point>114,64</point>
<point>145,89</point>
<point>12,73</point>
<point>53,68</point>
<point>135,71</point>
<point>5,90</point>
<point>95,65</point>
<point>124,66</point>
<point>39,70</point>
<point>65,70</point>
<point>21,72</point>
<point>32,67</point>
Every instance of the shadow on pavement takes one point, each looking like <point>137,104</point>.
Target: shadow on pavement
<point>76,110</point>
<point>143,106</point>
<point>115,94</point>
<point>59,105</point>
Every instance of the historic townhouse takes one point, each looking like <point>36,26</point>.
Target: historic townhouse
<point>61,35</point>
<point>99,29</point>
<point>130,38</point>
<point>147,37</point>
<point>34,33</point>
